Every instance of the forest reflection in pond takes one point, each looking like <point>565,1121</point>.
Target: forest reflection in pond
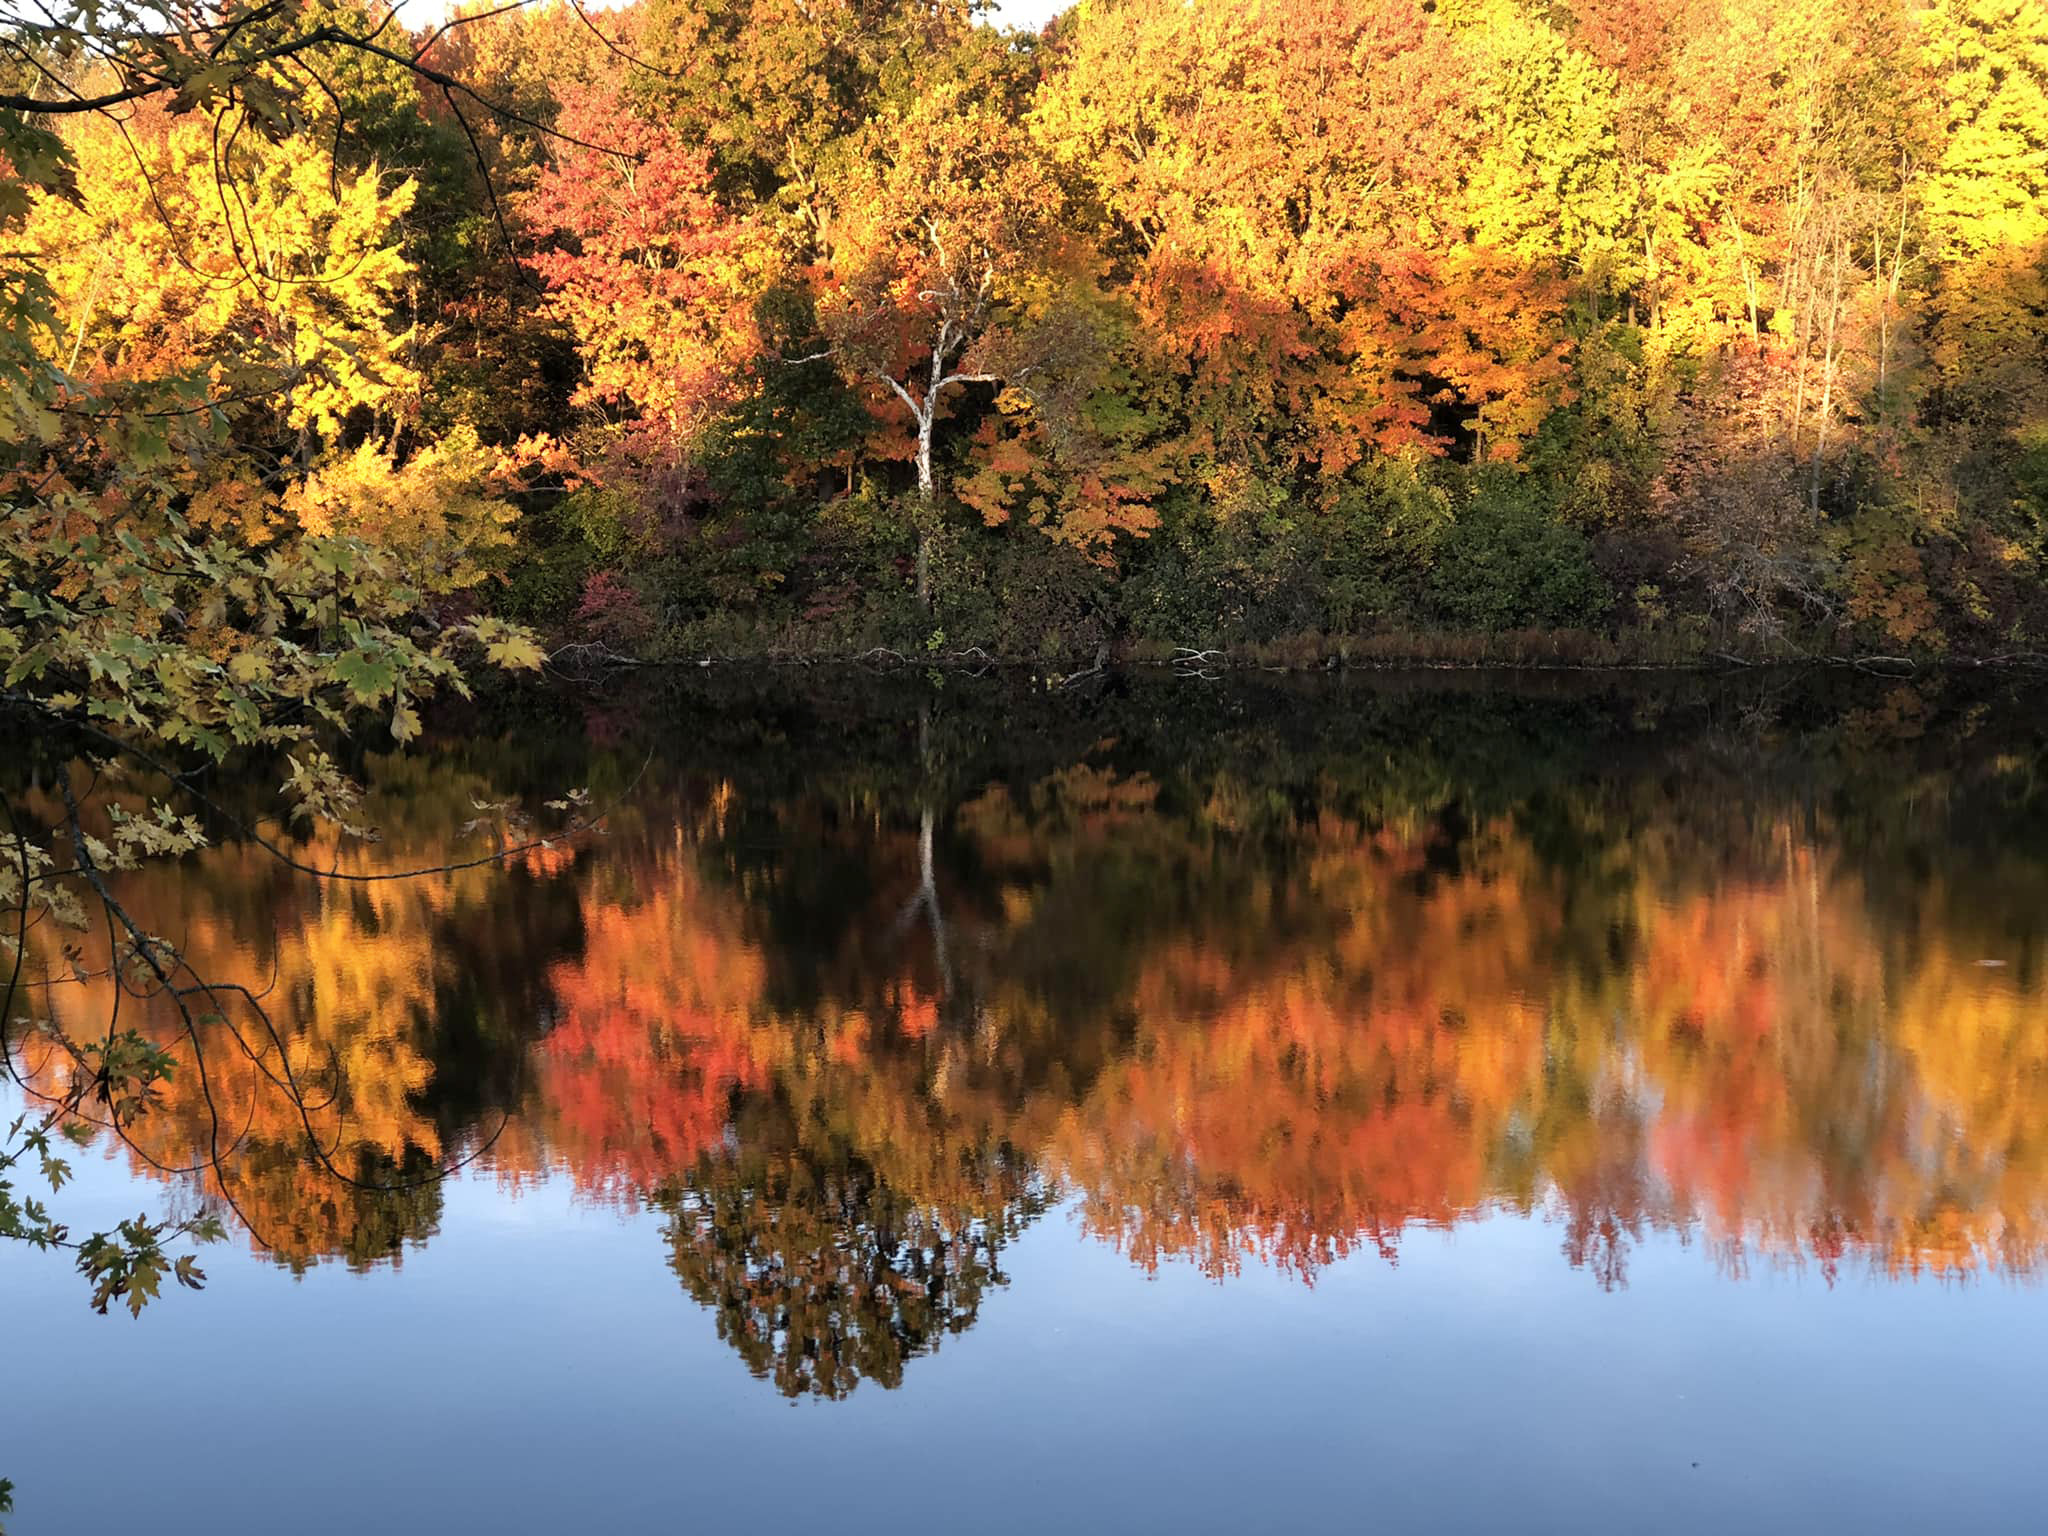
<point>863,977</point>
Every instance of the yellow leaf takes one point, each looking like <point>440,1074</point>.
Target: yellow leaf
<point>517,652</point>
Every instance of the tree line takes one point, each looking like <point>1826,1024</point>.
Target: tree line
<point>744,325</point>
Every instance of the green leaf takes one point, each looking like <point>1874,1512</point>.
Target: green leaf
<point>368,674</point>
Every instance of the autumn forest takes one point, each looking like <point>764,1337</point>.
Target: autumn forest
<point>1626,329</point>
<point>698,693</point>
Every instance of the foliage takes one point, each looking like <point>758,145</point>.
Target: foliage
<point>331,354</point>
<point>432,514</point>
<point>190,241</point>
<point>1281,317</point>
<point>1502,564</point>
<point>1276,289</point>
<point>196,318</point>
<point>652,278</point>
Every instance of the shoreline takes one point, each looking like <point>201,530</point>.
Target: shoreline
<point>583,658</point>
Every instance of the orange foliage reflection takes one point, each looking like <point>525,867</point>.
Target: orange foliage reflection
<point>1223,1046</point>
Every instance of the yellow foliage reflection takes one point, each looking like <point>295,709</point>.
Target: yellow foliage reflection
<point>901,1033</point>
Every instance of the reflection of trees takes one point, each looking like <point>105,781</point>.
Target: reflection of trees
<point>1293,1099</point>
<point>823,1274</point>
<point>654,1026</point>
<point>305,1105</point>
<point>1653,1003</point>
<point>1269,1001</point>
<point>1238,1026</point>
<point>303,1214</point>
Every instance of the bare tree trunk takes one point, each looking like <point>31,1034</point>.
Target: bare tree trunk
<point>92,294</point>
<point>924,558</point>
<point>925,412</point>
<point>927,507</point>
<point>1888,293</point>
<point>1655,281</point>
<point>1748,278</point>
<point>1805,343</point>
<point>1830,357</point>
<point>926,898</point>
<point>1789,300</point>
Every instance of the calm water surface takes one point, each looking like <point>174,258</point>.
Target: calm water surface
<point>1408,1104</point>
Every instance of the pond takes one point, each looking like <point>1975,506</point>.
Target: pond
<point>1435,1102</point>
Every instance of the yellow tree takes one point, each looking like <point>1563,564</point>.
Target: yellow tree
<point>1986,203</point>
<point>196,245</point>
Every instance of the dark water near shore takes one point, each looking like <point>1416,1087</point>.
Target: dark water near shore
<point>1417,1103</point>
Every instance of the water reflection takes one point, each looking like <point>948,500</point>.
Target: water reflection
<point>851,991</point>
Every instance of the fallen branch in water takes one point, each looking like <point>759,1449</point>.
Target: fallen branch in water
<point>592,655</point>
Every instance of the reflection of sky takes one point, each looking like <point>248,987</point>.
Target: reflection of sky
<point>536,1368</point>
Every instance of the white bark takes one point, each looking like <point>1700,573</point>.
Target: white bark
<point>924,413</point>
